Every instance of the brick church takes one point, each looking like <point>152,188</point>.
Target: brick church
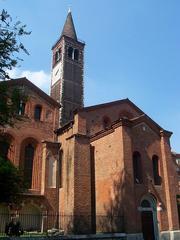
<point>106,168</point>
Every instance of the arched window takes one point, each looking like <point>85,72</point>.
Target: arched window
<point>155,163</point>
<point>37,112</point>
<point>70,52</point>
<point>106,122</point>
<point>58,55</point>
<point>76,54</point>
<point>28,163</point>
<point>137,168</point>
<point>21,109</point>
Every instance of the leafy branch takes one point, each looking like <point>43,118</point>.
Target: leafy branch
<point>10,43</point>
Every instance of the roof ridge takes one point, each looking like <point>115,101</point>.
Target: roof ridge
<point>93,107</point>
<point>26,81</point>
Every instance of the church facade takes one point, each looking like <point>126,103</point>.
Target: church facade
<point>117,164</point>
<point>106,168</point>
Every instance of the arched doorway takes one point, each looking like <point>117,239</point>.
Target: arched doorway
<point>149,218</point>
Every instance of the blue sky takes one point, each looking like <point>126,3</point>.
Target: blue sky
<point>132,50</point>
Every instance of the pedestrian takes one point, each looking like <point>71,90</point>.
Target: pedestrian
<point>13,228</point>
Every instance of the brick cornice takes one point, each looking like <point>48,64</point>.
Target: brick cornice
<point>77,135</point>
<point>165,133</point>
<point>122,122</point>
<point>116,124</point>
<point>101,134</point>
<point>54,144</point>
<point>76,42</point>
<point>64,129</point>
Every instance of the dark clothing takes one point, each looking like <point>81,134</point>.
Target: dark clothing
<point>13,229</point>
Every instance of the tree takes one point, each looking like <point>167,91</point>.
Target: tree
<point>10,43</point>
<point>11,182</point>
<point>11,179</point>
<point>11,101</point>
<point>10,46</point>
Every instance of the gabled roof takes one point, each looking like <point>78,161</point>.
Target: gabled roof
<point>146,119</point>
<point>142,118</point>
<point>151,123</point>
<point>103,105</point>
<point>25,82</point>
<point>69,29</point>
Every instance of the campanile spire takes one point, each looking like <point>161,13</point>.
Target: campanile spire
<point>69,29</point>
<point>67,71</point>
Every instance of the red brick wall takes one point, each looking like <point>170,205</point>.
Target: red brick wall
<point>94,118</point>
<point>147,143</point>
<point>66,194</point>
<point>114,189</point>
<point>82,176</point>
<point>36,131</point>
<point>113,167</point>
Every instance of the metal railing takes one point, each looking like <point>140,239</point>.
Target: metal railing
<point>72,224</point>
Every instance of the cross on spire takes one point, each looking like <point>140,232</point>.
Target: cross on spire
<point>69,8</point>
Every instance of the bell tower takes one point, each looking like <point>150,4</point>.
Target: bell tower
<point>67,71</point>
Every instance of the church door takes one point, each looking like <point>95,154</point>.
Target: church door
<point>147,225</point>
<point>149,219</point>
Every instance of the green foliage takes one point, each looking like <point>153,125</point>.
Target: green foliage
<point>11,182</point>
<point>11,179</point>
<point>10,103</point>
<point>10,43</point>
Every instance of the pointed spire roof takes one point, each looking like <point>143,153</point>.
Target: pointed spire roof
<point>69,29</point>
